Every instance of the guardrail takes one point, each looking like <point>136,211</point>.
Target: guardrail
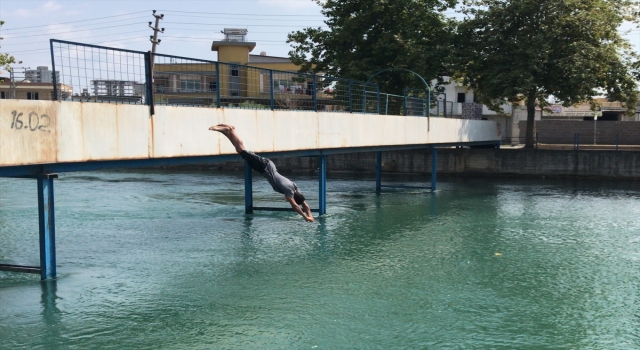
<point>576,142</point>
<point>92,73</point>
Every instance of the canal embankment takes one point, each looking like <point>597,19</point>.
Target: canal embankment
<point>474,162</point>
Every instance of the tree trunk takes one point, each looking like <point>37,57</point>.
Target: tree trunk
<point>531,115</point>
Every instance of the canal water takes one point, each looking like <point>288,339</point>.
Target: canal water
<point>168,260</point>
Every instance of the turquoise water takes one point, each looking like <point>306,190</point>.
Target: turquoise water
<point>168,260</point>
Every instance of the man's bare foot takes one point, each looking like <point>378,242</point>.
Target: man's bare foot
<point>231,127</point>
<point>221,128</point>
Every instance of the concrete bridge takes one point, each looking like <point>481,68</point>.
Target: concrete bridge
<point>39,139</point>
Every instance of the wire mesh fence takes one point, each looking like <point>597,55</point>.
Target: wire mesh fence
<point>91,73</point>
<point>184,81</point>
<point>440,108</point>
<point>98,74</point>
<point>344,95</point>
<point>392,104</point>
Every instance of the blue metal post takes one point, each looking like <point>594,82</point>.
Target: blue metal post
<point>148,81</point>
<point>378,171</point>
<point>350,99</point>
<point>47,227</point>
<point>248,189</point>
<point>386,106</point>
<point>429,103</point>
<point>378,96</point>
<point>314,91</point>
<point>404,101</point>
<point>322,188</point>
<point>218,84</point>
<point>271,95</point>
<point>434,167</point>
<point>54,76</point>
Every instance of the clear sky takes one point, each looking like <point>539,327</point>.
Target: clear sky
<point>190,25</point>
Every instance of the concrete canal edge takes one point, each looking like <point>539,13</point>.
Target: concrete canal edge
<point>473,162</point>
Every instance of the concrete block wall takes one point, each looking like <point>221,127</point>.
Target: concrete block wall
<point>562,132</point>
<point>474,162</point>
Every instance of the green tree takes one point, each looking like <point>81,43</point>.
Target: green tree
<point>5,59</point>
<point>366,36</point>
<point>536,50</point>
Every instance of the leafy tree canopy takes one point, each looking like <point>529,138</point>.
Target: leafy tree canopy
<point>531,50</point>
<point>5,59</point>
<point>366,36</point>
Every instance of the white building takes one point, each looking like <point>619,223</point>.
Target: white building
<point>41,74</point>
<point>462,103</point>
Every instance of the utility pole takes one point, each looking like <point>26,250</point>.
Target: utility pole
<point>12,81</point>
<point>154,38</point>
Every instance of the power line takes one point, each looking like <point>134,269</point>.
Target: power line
<point>84,37</point>
<point>79,30</point>
<point>261,15</point>
<point>243,18</point>
<point>83,25</point>
<point>240,14</point>
<point>84,20</point>
<point>80,37</point>
<point>243,25</point>
<point>121,41</point>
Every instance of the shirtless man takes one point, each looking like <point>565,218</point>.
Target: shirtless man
<point>266,167</point>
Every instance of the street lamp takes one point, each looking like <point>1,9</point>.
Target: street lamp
<point>596,114</point>
<point>364,97</point>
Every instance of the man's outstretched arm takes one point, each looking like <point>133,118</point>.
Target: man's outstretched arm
<point>296,207</point>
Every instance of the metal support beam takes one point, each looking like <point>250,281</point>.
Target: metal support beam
<point>47,227</point>
<point>248,189</point>
<point>20,268</point>
<point>434,167</point>
<point>218,85</point>
<point>281,209</point>
<point>378,171</point>
<point>54,76</point>
<point>322,186</point>
<point>315,93</point>
<point>271,92</point>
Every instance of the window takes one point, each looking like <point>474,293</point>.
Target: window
<point>190,86</point>
<point>235,71</point>
<point>461,97</point>
<point>288,86</point>
<point>475,98</point>
<point>2,95</point>
<point>32,95</point>
<point>213,86</point>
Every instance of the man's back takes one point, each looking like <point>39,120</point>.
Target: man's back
<point>278,182</point>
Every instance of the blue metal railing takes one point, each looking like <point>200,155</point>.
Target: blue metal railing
<point>93,73</point>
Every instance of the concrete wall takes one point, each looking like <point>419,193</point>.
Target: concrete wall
<point>475,162</point>
<point>562,132</point>
<point>36,132</point>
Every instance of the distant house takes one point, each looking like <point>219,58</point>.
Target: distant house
<point>462,103</point>
<point>27,90</point>
<point>41,74</point>
<point>242,76</point>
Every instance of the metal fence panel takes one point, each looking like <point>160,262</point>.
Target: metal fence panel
<point>93,73</point>
<point>97,73</point>
<point>184,81</point>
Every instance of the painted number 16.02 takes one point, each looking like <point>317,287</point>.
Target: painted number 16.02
<point>31,122</point>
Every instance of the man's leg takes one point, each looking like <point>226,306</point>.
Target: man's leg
<point>256,162</point>
<point>230,132</point>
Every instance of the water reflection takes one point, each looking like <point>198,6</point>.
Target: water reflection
<point>51,314</point>
<point>484,263</point>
